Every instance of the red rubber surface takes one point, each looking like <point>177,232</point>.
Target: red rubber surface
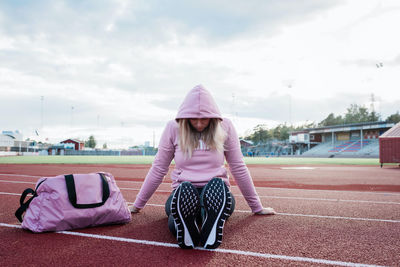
<point>361,205</point>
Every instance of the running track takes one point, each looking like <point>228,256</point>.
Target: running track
<point>327,215</point>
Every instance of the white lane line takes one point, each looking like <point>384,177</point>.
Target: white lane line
<point>234,186</point>
<point>219,250</point>
<point>306,215</point>
<point>21,175</point>
<point>16,182</point>
<point>333,191</point>
<point>12,194</point>
<point>261,196</point>
<point>284,214</point>
<point>137,189</point>
<point>298,168</point>
<point>294,189</point>
<point>339,217</point>
<point>332,200</point>
<point>297,198</point>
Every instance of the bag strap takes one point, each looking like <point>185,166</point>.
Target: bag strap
<point>69,179</point>
<point>24,206</point>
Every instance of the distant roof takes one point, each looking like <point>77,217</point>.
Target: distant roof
<point>247,141</point>
<point>392,132</point>
<point>73,140</point>
<point>352,127</point>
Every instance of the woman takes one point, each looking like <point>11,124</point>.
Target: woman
<point>199,140</point>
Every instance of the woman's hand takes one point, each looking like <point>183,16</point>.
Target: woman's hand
<point>133,209</point>
<point>266,211</point>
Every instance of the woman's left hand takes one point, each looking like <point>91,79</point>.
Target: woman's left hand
<point>266,211</point>
<point>133,209</point>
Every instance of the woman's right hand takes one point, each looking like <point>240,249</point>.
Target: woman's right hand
<point>133,209</point>
<point>266,211</point>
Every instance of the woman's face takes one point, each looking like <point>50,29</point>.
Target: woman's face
<point>199,124</point>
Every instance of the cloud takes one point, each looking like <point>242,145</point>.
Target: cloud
<point>125,66</point>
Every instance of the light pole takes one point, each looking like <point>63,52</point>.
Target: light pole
<point>289,83</point>
<point>41,112</point>
<point>72,116</point>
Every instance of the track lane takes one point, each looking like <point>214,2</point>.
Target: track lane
<point>370,209</point>
<point>314,238</point>
<point>243,228</point>
<point>277,235</point>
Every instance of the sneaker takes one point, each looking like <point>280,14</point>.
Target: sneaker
<point>217,202</point>
<point>185,207</point>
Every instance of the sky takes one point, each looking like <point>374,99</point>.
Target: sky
<point>119,70</point>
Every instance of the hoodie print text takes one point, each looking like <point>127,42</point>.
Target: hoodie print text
<point>202,146</point>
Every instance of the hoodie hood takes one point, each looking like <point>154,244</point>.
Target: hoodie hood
<point>198,103</point>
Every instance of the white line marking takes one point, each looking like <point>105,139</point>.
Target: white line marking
<point>297,198</point>
<point>338,217</point>
<point>298,168</point>
<point>10,225</point>
<point>277,197</point>
<point>234,186</point>
<point>227,251</point>
<point>332,200</point>
<point>307,215</point>
<point>16,182</point>
<point>23,175</point>
<point>334,191</point>
<point>12,194</point>
<point>294,189</point>
<point>137,189</point>
<point>284,214</point>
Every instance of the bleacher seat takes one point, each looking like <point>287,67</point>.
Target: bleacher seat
<point>346,148</point>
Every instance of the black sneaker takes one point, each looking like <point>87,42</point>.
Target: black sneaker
<point>185,207</point>
<point>217,202</point>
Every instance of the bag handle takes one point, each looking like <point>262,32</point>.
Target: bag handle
<point>69,179</point>
<point>24,206</point>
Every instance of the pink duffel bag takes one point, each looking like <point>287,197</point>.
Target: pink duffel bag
<point>68,202</point>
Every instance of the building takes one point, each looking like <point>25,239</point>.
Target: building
<point>11,141</point>
<point>6,142</point>
<point>389,145</point>
<point>78,145</point>
<point>344,140</point>
<point>245,143</point>
<point>66,145</point>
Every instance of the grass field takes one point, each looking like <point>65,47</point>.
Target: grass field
<point>149,160</point>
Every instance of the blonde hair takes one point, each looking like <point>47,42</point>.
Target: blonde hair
<point>213,136</point>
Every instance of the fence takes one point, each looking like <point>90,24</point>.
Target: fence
<point>136,152</point>
<point>272,148</point>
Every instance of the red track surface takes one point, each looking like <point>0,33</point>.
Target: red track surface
<point>345,214</point>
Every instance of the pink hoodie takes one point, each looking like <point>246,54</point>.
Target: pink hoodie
<point>204,163</point>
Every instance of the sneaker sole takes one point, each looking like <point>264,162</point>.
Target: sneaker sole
<point>185,207</point>
<point>217,203</point>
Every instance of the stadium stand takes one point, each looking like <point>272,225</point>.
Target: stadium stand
<point>355,146</point>
<point>349,140</point>
<point>370,148</point>
<point>341,147</point>
<point>321,150</point>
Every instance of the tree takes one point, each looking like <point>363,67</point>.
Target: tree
<point>91,142</point>
<point>331,120</point>
<point>260,134</point>
<point>354,114</point>
<point>276,132</point>
<point>284,132</point>
<point>395,118</point>
<point>373,116</point>
<point>105,146</point>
